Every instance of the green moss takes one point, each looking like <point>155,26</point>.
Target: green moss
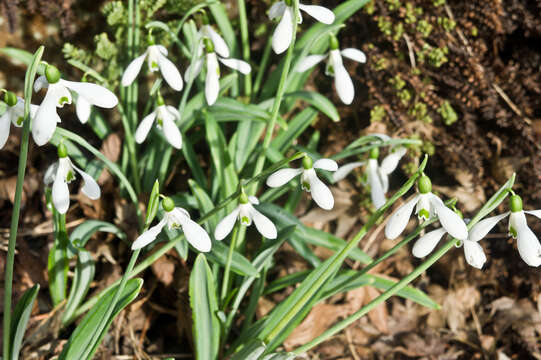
<point>377,113</point>
<point>447,113</point>
<point>424,27</point>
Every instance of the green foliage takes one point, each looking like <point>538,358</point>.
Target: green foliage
<point>377,113</point>
<point>447,113</point>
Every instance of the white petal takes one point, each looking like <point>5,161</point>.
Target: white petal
<point>197,236</point>
<point>133,69</point>
<point>174,112</point>
<point>344,170</point>
<point>90,186</point>
<point>237,64</point>
<point>376,187</point>
<point>424,203</point>
<point>172,133</point>
<point>5,125</point>
<point>309,62</point>
<point>226,225</point>
<point>219,43</point>
<point>283,34</point>
<point>144,127</point>
<point>354,54</point>
<point>481,229</point>
<point>148,236</point>
<point>426,243</point>
<point>162,49</point>
<point>44,123</point>
<point>320,192</point>
<point>212,82</point>
<point>529,247</point>
<point>399,219</point>
<point>83,109</point>
<point>40,83</point>
<point>342,80</point>
<point>93,93</point>
<point>320,13</point>
<point>263,224</point>
<point>253,200</point>
<point>282,177</point>
<point>277,9</point>
<point>60,194</point>
<point>390,162</point>
<point>517,221</point>
<point>453,223</point>
<point>474,254</point>
<point>50,174</point>
<point>326,164</point>
<point>193,71</point>
<point>170,73</point>
<point>536,213</point>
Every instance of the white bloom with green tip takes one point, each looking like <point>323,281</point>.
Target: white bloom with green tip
<point>175,218</point>
<point>165,117</point>
<point>58,94</point>
<point>157,60</point>
<point>212,80</point>
<point>427,206</point>
<point>246,213</point>
<point>60,174</point>
<point>283,34</point>
<point>309,181</point>
<point>378,175</point>
<point>529,247</point>
<point>14,115</point>
<point>335,67</point>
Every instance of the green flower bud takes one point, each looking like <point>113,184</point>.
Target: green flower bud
<point>374,153</point>
<point>204,17</point>
<point>424,184</point>
<point>10,98</point>
<point>289,2</point>
<point>159,100</point>
<point>150,39</point>
<point>209,46</point>
<point>307,162</point>
<point>333,42</point>
<point>52,74</point>
<point>243,198</point>
<point>515,203</point>
<point>168,204</point>
<point>62,150</point>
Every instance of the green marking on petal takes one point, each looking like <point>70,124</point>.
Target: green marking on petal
<point>244,220</point>
<point>70,176</point>
<point>160,121</point>
<point>154,65</point>
<point>424,213</point>
<point>20,120</point>
<point>306,186</point>
<point>513,232</point>
<point>63,100</point>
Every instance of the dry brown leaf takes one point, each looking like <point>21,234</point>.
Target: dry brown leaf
<point>111,148</point>
<point>7,188</point>
<point>379,315</point>
<point>457,304</point>
<point>164,269</point>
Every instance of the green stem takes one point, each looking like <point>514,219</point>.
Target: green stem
<point>374,303</point>
<point>225,282</point>
<point>243,23</point>
<point>277,101</point>
<point>23,157</point>
<point>58,260</point>
<point>262,68</point>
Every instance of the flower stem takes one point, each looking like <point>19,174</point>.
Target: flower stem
<point>23,156</point>
<point>277,101</point>
<point>243,23</point>
<point>227,270</point>
<point>262,68</point>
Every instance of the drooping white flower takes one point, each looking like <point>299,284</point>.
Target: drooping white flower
<point>309,181</point>
<point>428,206</point>
<point>335,67</point>
<point>246,213</point>
<point>283,34</point>
<point>157,60</point>
<point>473,252</point>
<point>212,80</point>
<point>378,175</point>
<point>14,115</point>
<point>60,174</point>
<point>207,31</point>
<point>165,116</point>
<point>175,218</point>
<point>529,247</point>
<point>58,94</point>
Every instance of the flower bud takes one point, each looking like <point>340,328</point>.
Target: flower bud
<point>52,74</point>
<point>204,18</point>
<point>159,100</point>
<point>10,98</point>
<point>374,153</point>
<point>307,162</point>
<point>209,46</point>
<point>333,42</point>
<point>168,204</point>
<point>424,184</point>
<point>62,150</point>
<point>515,203</point>
<point>243,198</point>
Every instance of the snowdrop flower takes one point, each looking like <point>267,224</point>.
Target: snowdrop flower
<point>428,206</point>
<point>166,117</point>
<point>283,34</point>
<point>528,244</point>
<point>212,81</point>
<point>14,114</point>
<point>335,67</point>
<point>174,218</point>
<point>245,212</point>
<point>58,94</point>
<point>61,173</point>
<point>207,31</point>
<point>157,60</point>
<point>378,175</point>
<point>473,252</point>
<point>309,181</point>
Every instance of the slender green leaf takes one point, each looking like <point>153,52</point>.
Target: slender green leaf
<point>296,127</point>
<point>84,274</point>
<point>318,101</point>
<point>153,204</point>
<point>82,233</point>
<point>239,264</point>
<point>19,320</point>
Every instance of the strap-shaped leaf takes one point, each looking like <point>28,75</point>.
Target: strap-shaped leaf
<point>19,319</point>
<point>84,274</point>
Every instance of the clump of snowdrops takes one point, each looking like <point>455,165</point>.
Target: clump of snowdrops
<point>215,97</point>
